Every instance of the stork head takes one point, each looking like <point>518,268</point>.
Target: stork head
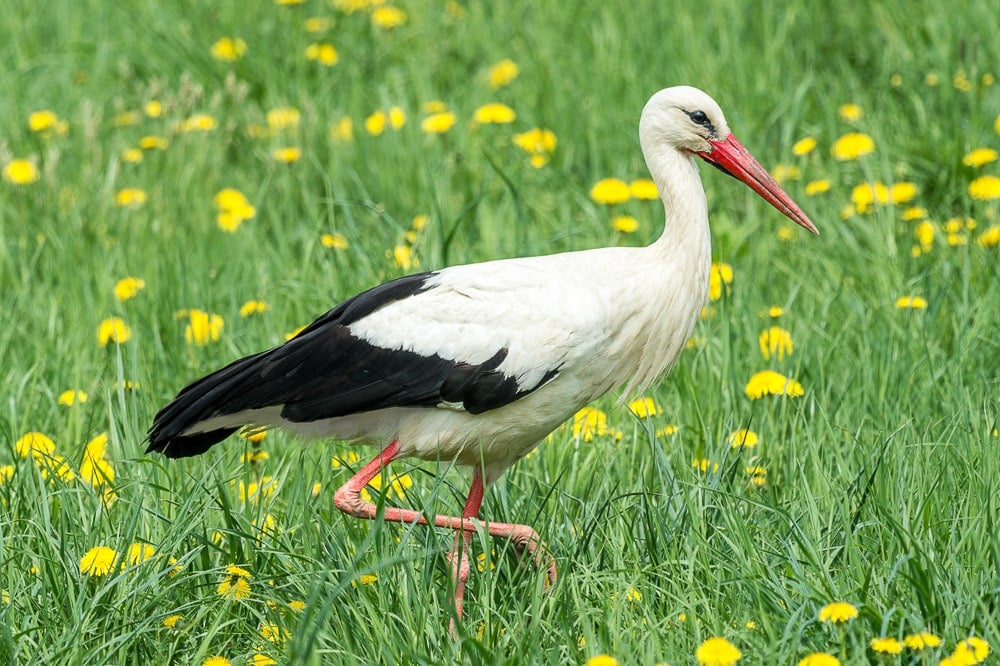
<point>688,120</point>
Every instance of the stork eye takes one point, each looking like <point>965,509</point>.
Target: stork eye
<point>700,118</point>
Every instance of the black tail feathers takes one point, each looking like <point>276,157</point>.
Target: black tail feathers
<point>174,432</point>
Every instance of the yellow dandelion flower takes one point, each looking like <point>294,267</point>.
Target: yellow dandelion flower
<point>990,237</point>
<point>979,157</point>
<point>234,587</point>
<point>911,303</point>
<point>610,191</point>
<point>704,465</point>
<point>233,209</point>
<point>153,108</point>
<point>334,241</point>
<point>348,458</point>
<point>229,49</point>
<point>849,112</point>
<point>837,612</point>
<point>402,256</point>
<point>925,235</point>
<point>900,193</point>
<point>538,143</point>
<point>20,172</point>
<point>323,53</point>
<point>95,468</point>
<point>131,155</point>
<point>720,275</point>
<point>494,113</point>
<point>758,475</point>
<point>814,187</point>
<point>254,437</point>
<point>776,341</point>
<point>601,660</point>
<point>643,407</point>
<point>365,579</point>
<point>297,605</point>
<point>273,633</point>
<point>397,117</point>
<point>199,122</point>
<point>996,124</point>
<point>804,146</point>
<point>852,146</point>
<point>261,659</point>
<point>127,119</point>
<point>375,123</point>
<point>98,561</point>
<point>130,197</point>
<point>438,123</point>
<point>287,155</point>
<point>667,430</point>
<point>717,651</point>
<point>502,73</point>
<point>913,213</point>
<point>773,312</point>
<point>315,24</point>
<point>138,553</point>
<point>866,194</point>
<point>343,129</point>
<point>253,307</point>
<point>72,397</point>
<point>283,117</point>
<point>171,621</point>
<point>40,121</point>
<point>921,641</point>
<point>6,474</point>
<point>742,438</point>
<point>985,188</point>
<point>202,327</point>
<point>886,645</point>
<point>113,329</point>
<point>388,17</point>
<point>588,422</point>
<point>783,172</point>
<point>644,189</point>
<point>973,646</point>
<point>896,80</point>
<point>769,382</point>
<point>34,443</point>
<point>932,79</point>
<point>254,490</point>
<point>216,661</point>
<point>153,142</point>
<point>128,287</point>
<point>624,223</point>
<point>819,659</point>
<point>434,106</point>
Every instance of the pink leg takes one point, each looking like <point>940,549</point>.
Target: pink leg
<point>348,499</point>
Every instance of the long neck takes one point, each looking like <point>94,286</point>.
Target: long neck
<point>685,238</point>
<point>675,272</point>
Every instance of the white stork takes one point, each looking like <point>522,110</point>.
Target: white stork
<point>477,363</point>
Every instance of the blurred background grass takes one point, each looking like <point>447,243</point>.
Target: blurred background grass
<point>881,482</point>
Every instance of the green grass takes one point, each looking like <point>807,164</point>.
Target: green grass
<point>882,481</point>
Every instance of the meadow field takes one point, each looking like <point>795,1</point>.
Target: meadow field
<point>184,183</point>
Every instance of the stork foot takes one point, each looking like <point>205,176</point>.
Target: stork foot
<point>524,538</point>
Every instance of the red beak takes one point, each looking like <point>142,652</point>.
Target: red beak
<point>730,156</point>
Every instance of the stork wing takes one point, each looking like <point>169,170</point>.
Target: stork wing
<point>330,369</point>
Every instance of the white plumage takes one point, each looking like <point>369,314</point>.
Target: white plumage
<point>477,363</point>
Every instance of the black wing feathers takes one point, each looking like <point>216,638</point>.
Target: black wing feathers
<point>326,372</point>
